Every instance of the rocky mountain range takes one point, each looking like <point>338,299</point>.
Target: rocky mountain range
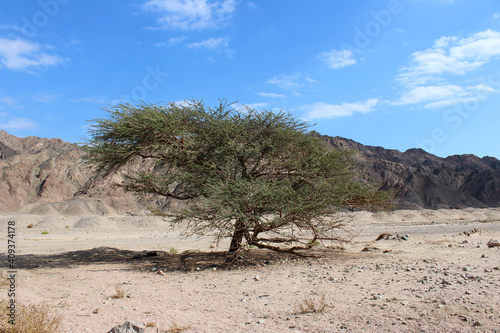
<point>423,180</point>
<point>47,176</point>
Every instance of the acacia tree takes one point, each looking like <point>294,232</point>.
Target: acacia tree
<point>254,176</point>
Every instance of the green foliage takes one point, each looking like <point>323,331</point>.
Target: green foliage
<point>255,175</point>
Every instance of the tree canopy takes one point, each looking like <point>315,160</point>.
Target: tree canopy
<point>258,177</point>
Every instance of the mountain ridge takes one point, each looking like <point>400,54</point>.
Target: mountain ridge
<point>38,171</point>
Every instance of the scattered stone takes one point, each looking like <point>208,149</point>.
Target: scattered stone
<point>446,282</point>
<point>493,243</point>
<point>370,249</point>
<point>160,272</point>
<point>483,256</point>
<point>376,297</point>
<point>387,236</point>
<point>256,278</point>
<point>473,231</point>
<point>129,327</point>
<point>477,324</point>
<point>96,311</point>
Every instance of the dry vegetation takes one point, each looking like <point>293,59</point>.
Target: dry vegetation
<point>309,305</point>
<point>119,293</point>
<point>29,319</point>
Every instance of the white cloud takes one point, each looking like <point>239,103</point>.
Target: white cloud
<point>171,41</point>
<point>191,14</point>
<point>17,54</point>
<point>451,55</point>
<point>496,15</point>
<point>327,111</point>
<point>176,40</point>
<point>273,95</point>
<point>445,95</point>
<point>45,97</point>
<point>211,43</point>
<point>9,102</point>
<point>292,81</point>
<point>338,59</point>
<point>95,99</point>
<point>18,123</point>
<point>256,105</point>
<point>430,93</point>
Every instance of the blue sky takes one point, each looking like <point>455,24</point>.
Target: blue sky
<point>394,73</point>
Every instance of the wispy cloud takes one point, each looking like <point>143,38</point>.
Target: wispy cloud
<point>172,41</point>
<point>322,110</point>
<point>338,59</point>
<point>17,123</point>
<point>426,80</point>
<point>451,55</point>
<point>211,43</point>
<point>191,14</point>
<point>257,105</point>
<point>273,95</point>
<point>95,100</point>
<point>46,97</point>
<point>18,54</point>
<point>293,82</point>
<point>9,102</point>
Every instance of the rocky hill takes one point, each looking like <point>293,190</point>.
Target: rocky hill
<point>37,175</point>
<point>423,180</point>
<point>47,176</point>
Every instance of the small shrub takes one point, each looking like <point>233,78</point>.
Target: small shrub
<point>45,232</point>
<point>308,305</point>
<point>175,328</point>
<point>29,319</point>
<point>119,293</point>
<point>173,250</point>
<point>4,282</point>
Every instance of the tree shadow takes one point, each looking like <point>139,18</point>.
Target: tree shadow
<point>187,261</point>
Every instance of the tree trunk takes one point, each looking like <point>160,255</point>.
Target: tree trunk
<point>239,232</point>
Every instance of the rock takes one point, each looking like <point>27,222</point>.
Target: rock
<point>446,282</point>
<point>384,236</point>
<point>256,278</point>
<point>477,324</point>
<point>493,243</point>
<point>129,327</point>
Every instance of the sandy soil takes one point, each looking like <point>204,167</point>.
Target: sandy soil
<point>443,278</point>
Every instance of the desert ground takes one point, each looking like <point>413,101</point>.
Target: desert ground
<point>434,274</point>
